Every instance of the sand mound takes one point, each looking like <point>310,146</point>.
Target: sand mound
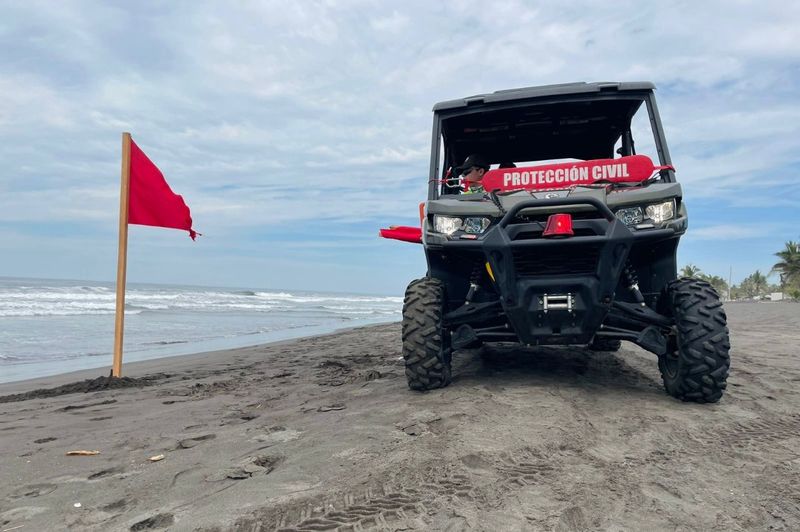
<point>88,385</point>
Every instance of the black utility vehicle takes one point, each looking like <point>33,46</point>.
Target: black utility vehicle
<point>563,245</point>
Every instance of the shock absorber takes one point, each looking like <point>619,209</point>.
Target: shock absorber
<point>474,279</point>
<point>633,283</point>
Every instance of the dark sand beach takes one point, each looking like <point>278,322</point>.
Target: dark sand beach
<point>322,434</point>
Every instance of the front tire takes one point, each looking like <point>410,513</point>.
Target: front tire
<point>696,366</point>
<point>426,346</point>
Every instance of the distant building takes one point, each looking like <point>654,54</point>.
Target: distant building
<point>776,296</point>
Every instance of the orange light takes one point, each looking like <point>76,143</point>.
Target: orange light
<point>558,225</point>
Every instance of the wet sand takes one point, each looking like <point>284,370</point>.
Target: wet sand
<point>322,433</point>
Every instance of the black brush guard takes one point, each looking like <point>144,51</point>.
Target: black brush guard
<point>559,290</point>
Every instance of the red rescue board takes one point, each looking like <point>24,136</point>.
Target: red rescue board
<point>630,169</point>
<point>404,233</point>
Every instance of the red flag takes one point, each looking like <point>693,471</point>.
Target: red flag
<point>151,201</point>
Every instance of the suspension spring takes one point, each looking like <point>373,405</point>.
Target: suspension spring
<point>474,280</point>
<point>633,282</point>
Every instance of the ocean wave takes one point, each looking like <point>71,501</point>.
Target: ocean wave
<point>22,313</point>
<point>275,295</point>
<point>94,288</point>
<point>318,298</point>
<point>99,300</point>
<point>55,296</point>
<point>131,306</point>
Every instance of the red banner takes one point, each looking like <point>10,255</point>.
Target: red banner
<point>630,169</point>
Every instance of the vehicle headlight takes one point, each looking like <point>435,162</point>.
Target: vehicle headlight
<point>447,224</point>
<point>476,226</point>
<point>661,212</point>
<point>630,215</point>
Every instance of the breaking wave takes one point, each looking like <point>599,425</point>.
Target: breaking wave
<point>28,301</point>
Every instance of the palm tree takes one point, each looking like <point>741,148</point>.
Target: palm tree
<point>690,270</point>
<point>719,284</point>
<point>759,282</point>
<point>789,266</point>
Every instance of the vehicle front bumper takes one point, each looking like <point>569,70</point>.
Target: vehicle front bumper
<point>557,291</point>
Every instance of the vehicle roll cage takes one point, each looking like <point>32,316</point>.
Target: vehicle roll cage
<point>437,171</point>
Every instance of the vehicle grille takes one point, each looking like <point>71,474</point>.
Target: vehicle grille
<point>576,260</point>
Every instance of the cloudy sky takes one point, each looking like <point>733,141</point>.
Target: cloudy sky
<point>294,130</point>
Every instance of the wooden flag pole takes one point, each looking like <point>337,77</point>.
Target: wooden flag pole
<point>122,257</point>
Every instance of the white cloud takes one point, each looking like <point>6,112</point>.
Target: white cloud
<point>270,113</point>
<point>27,102</point>
<point>391,24</point>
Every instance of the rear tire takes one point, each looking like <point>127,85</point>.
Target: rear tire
<point>696,366</point>
<point>600,343</point>
<point>426,347</point>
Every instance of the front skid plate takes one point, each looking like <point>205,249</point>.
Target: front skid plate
<point>524,298</point>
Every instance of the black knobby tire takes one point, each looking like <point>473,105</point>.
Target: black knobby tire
<point>426,348</point>
<point>696,366</point>
<point>605,344</point>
